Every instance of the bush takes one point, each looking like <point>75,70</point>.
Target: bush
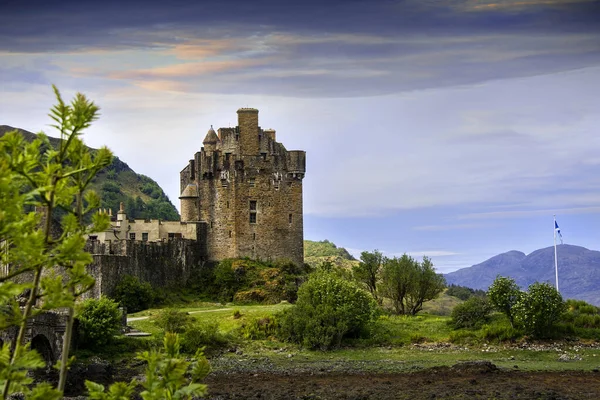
<point>171,320</point>
<point>463,292</point>
<point>133,294</point>
<point>259,328</point>
<point>328,310</point>
<point>99,320</point>
<point>473,313</point>
<point>205,335</point>
<point>538,310</point>
<point>500,331</point>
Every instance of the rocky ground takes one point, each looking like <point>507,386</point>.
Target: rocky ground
<point>239,376</point>
<point>474,380</point>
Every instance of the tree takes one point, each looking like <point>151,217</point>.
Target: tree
<point>539,309</point>
<point>40,183</point>
<point>44,201</point>
<point>368,270</point>
<point>409,283</point>
<point>428,286</point>
<point>504,293</point>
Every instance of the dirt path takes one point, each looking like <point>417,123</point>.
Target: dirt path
<point>449,383</point>
<point>191,312</point>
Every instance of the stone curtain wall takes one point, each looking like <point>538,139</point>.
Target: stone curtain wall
<point>162,264</point>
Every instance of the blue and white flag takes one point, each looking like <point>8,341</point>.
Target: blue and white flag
<point>557,230</point>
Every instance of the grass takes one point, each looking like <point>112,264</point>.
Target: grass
<point>400,344</point>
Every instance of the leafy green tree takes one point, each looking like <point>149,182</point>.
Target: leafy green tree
<point>99,320</point>
<point>368,270</point>
<point>428,285</point>
<point>47,262</point>
<point>504,293</point>
<point>328,310</point>
<point>397,279</point>
<point>44,201</point>
<point>409,283</point>
<point>539,309</point>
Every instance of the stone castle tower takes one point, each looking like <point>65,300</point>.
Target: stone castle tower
<point>247,188</point>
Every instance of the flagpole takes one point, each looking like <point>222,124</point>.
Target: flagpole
<point>555,258</point>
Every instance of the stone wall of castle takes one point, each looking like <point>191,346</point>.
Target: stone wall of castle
<point>248,189</point>
<point>172,263</point>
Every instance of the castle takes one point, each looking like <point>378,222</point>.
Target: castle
<point>248,189</point>
<point>241,196</point>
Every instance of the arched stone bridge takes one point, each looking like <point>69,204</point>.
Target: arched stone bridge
<point>45,333</point>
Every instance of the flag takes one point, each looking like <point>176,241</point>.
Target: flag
<point>557,230</point>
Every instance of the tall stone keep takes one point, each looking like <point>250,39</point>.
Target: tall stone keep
<point>248,189</point>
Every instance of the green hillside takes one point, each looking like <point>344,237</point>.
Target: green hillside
<point>142,196</point>
<point>316,253</point>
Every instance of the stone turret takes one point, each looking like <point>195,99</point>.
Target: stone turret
<point>189,203</point>
<point>210,140</point>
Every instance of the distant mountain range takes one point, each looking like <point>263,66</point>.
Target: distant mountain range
<point>117,183</point>
<point>578,271</point>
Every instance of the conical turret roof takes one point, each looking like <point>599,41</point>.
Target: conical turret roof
<point>190,190</point>
<point>211,137</point>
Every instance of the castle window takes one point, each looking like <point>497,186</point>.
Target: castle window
<point>132,236</point>
<point>254,236</point>
<point>251,182</point>
<point>290,218</point>
<point>171,236</point>
<point>227,155</point>
<point>144,236</point>
<point>228,204</point>
<point>264,156</point>
<point>229,233</point>
<point>253,211</point>
<point>211,224</point>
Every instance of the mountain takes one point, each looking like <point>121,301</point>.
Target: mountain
<point>117,183</point>
<point>578,271</point>
<point>316,253</point>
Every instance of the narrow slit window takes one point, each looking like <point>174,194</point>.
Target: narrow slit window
<point>290,218</point>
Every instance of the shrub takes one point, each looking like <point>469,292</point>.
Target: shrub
<point>99,320</point>
<point>204,335</point>
<point>463,292</point>
<point>133,294</point>
<point>259,328</point>
<point>172,320</point>
<point>463,337</point>
<point>538,310</point>
<point>328,310</point>
<point>473,313</point>
<point>500,331</point>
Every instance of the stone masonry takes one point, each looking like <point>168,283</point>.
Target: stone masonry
<point>247,188</point>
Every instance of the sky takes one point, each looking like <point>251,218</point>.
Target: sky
<point>454,129</point>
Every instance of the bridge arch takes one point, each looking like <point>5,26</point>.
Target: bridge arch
<point>41,344</point>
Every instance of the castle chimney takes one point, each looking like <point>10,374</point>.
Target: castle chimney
<point>248,125</point>
<point>121,216</point>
